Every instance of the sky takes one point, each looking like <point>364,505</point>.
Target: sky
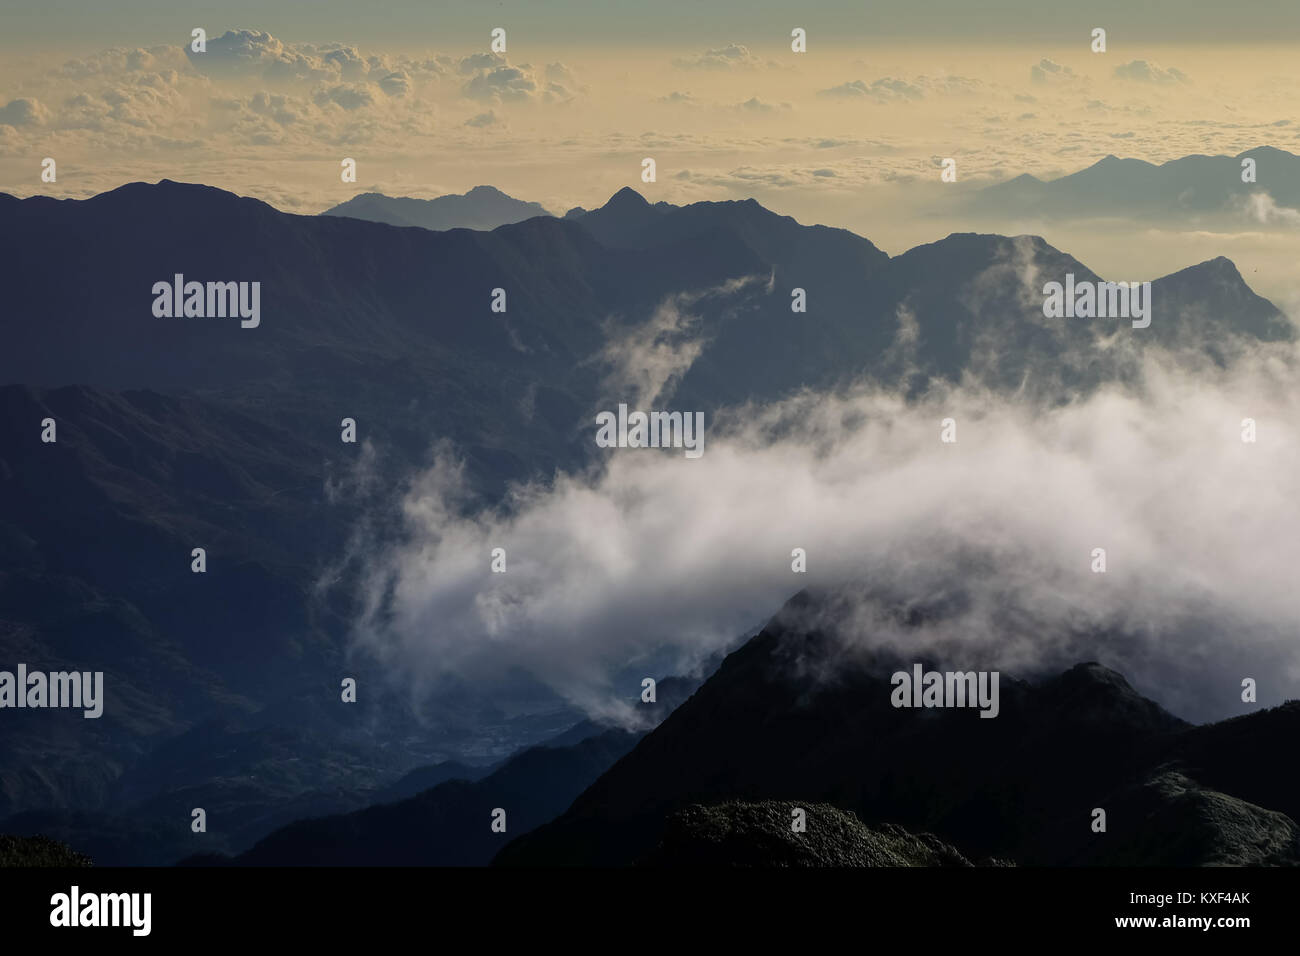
<point>563,115</point>
<point>57,23</point>
<point>849,133</point>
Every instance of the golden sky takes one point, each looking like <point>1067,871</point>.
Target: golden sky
<point>849,133</point>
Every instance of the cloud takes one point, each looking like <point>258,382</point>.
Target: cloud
<point>1262,208</point>
<point>503,83</point>
<point>121,110</point>
<point>648,553</point>
<point>733,56</point>
<point>884,90</point>
<point>249,89</point>
<point>479,63</point>
<point>949,84</point>
<point>500,84</point>
<point>117,61</point>
<point>747,180</point>
<point>561,74</point>
<point>646,361</point>
<point>678,97</point>
<point>396,84</point>
<point>349,96</point>
<point>23,112</point>
<point>1141,71</point>
<point>1049,71</point>
<point>482,119</point>
<point>890,89</point>
<point>258,54</point>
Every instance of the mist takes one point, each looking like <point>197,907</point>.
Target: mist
<point>647,554</point>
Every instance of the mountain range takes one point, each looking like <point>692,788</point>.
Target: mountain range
<point>1185,187</point>
<point>177,433</point>
<point>483,207</point>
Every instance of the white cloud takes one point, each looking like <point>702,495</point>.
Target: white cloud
<point>1049,71</point>
<point>349,96</point>
<point>889,89</point>
<point>1142,71</point>
<point>884,90</point>
<point>733,56</point>
<point>1262,208</point>
<point>396,84</point>
<point>499,82</point>
<point>646,360</point>
<point>650,550</point>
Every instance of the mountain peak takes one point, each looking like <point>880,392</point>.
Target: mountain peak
<point>1218,268</point>
<point>1098,695</point>
<point>626,198</point>
<point>1265,151</point>
<point>1110,160</point>
<point>483,207</point>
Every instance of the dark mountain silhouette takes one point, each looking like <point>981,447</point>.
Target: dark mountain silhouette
<point>450,824</point>
<point>176,433</point>
<point>797,715</point>
<point>1189,186</point>
<point>446,821</point>
<point>426,778</point>
<point>483,207</point>
<point>408,313</point>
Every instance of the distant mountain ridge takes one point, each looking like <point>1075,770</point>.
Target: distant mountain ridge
<point>483,207</point>
<point>1188,186</point>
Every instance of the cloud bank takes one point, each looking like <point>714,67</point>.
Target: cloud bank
<point>646,553</point>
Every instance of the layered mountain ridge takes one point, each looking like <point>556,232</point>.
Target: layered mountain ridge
<point>184,432</point>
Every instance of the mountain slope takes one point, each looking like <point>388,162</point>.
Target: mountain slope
<point>795,716</point>
<point>760,834</point>
<point>450,824</point>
